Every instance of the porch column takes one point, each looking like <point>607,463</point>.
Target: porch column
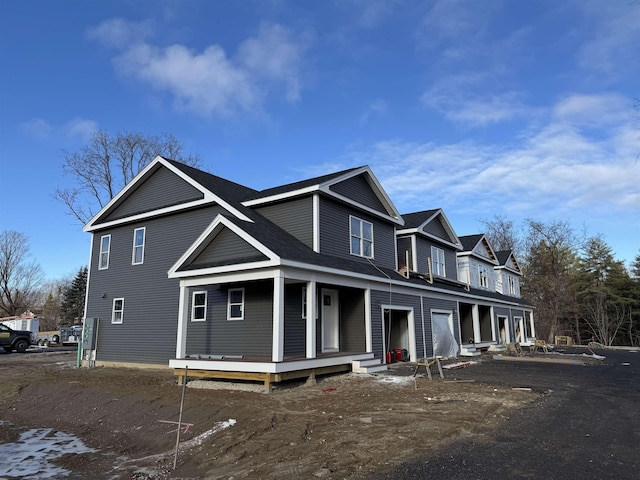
<point>531,323</point>
<point>277,349</point>
<point>367,320</point>
<point>311,314</point>
<point>477,334</point>
<point>183,316</point>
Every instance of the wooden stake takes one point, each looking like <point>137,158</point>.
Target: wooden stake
<point>184,386</point>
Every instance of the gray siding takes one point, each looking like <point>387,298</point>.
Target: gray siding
<point>219,336</point>
<point>295,217</point>
<point>358,189</point>
<point>294,324</point>
<point>435,227</point>
<point>227,247</point>
<point>423,245</point>
<point>334,233</point>
<point>162,189</point>
<point>352,326</point>
<point>149,329</point>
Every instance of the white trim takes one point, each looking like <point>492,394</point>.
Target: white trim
<point>193,305</point>
<point>277,351</point>
<point>144,241</point>
<point>113,311</point>
<point>183,306</point>
<point>335,319</point>
<point>361,238</point>
<point>453,241</point>
<point>89,268</point>
<point>411,325</point>
<point>108,252</point>
<point>229,304</point>
<point>208,197</point>
<point>203,240</point>
<point>266,367</point>
<point>367,320</point>
<point>312,315</point>
<point>316,223</point>
<point>281,196</point>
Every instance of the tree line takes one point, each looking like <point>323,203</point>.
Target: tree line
<point>577,286</point>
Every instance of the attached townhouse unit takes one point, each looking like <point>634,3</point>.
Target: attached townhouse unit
<point>191,270</point>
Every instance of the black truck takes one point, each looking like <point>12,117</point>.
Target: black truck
<point>18,340</point>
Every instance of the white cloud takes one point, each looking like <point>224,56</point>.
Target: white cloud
<point>120,33</point>
<point>558,170</point>
<point>76,127</point>
<point>37,128</point>
<point>80,127</point>
<point>210,81</point>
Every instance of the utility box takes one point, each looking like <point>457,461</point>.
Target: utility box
<point>90,333</point>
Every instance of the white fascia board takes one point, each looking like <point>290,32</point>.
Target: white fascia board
<point>208,197</point>
<point>236,267</point>
<point>233,276</point>
<point>219,221</point>
<point>397,220</point>
<point>281,196</point>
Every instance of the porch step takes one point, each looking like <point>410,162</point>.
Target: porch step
<point>371,365</point>
<point>469,351</point>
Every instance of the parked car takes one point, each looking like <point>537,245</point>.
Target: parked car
<point>18,340</point>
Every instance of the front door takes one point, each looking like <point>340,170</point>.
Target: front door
<point>330,321</point>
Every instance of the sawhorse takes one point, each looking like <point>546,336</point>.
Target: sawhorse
<point>426,363</point>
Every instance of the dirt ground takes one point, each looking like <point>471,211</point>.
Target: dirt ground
<point>346,426</point>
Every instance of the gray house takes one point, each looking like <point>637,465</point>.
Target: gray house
<point>192,270</point>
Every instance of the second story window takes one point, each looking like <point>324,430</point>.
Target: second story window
<point>138,246</point>
<point>512,285</point>
<point>361,237</point>
<point>437,261</point>
<point>105,248</point>
<point>483,276</point>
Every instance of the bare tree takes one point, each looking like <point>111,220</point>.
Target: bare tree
<point>20,277</point>
<point>503,234</point>
<point>103,167</point>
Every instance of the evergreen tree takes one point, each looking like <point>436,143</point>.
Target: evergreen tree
<point>72,308</point>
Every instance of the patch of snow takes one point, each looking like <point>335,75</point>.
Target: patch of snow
<point>394,379</point>
<point>31,455</point>
<point>222,385</point>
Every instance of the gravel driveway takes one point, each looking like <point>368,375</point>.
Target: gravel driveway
<point>586,425</point>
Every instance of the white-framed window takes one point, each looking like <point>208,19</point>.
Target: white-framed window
<point>361,233</point>
<point>304,302</point>
<point>199,306</point>
<point>117,313</point>
<point>105,249</point>
<point>437,261</point>
<point>512,284</point>
<point>137,256</point>
<point>235,304</point>
<point>483,276</point>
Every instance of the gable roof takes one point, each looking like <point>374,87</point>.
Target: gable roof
<point>328,185</point>
<point>209,188</point>
<point>419,222</point>
<point>507,260</point>
<point>471,244</point>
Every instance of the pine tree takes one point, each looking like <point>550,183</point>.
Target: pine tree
<point>72,308</point>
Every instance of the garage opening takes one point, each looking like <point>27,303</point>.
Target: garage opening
<point>396,326</point>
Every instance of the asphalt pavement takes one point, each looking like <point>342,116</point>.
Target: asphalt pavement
<point>585,425</point>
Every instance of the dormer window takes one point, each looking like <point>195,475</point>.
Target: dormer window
<point>483,276</point>
<point>361,233</point>
<point>437,262</point>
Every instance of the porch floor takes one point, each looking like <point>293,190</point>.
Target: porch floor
<point>261,368</point>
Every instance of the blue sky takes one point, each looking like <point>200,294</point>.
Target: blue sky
<point>523,109</point>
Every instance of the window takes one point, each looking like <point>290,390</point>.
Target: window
<point>361,237</point>
<point>512,285</point>
<point>199,307</point>
<point>483,276</point>
<point>117,314</point>
<point>105,248</point>
<point>235,310</point>
<point>137,256</point>
<point>437,261</point>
